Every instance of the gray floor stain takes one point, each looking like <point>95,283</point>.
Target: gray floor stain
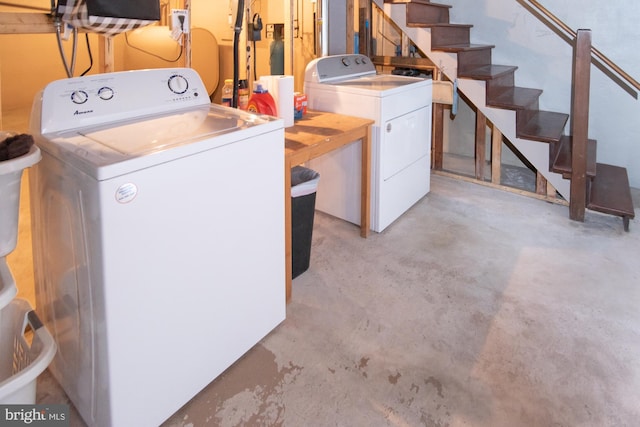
<point>393,379</point>
<point>434,382</point>
<point>248,396</point>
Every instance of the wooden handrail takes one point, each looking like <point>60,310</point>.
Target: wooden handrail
<point>564,27</point>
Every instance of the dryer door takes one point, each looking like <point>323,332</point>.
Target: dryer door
<point>404,140</point>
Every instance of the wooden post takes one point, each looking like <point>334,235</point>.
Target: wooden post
<point>364,22</point>
<point>187,37</point>
<point>437,133</point>
<point>496,155</point>
<point>551,190</point>
<point>405,43</point>
<point>350,27</point>
<point>541,184</point>
<point>437,157</point>
<point>580,124</point>
<point>481,144</point>
<point>105,47</point>
<point>1,126</point>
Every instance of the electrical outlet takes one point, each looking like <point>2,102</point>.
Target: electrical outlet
<point>180,20</point>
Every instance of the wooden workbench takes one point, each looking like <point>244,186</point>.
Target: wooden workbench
<point>318,133</point>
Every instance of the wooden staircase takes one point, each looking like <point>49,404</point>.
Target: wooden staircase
<point>605,187</point>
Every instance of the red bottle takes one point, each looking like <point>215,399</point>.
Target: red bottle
<point>261,101</point>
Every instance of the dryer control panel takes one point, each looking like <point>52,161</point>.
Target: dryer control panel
<point>338,67</point>
<point>103,99</point>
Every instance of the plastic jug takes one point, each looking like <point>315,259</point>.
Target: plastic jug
<point>261,101</point>
<point>243,94</point>
<point>227,93</point>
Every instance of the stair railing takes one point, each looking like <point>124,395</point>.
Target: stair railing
<point>622,78</point>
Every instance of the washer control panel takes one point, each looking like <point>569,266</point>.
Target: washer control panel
<point>102,99</point>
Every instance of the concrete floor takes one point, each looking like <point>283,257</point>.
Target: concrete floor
<point>477,308</point>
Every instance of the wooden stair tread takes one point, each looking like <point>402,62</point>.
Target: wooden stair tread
<point>430,3</point>
<point>488,72</point>
<point>464,47</point>
<point>562,162</point>
<point>407,1</point>
<point>515,98</point>
<point>425,2</point>
<point>439,25</point>
<point>544,126</point>
<point>610,191</point>
<point>404,61</point>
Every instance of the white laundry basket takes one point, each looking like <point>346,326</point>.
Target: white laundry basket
<point>8,289</point>
<point>10,179</point>
<point>26,349</point>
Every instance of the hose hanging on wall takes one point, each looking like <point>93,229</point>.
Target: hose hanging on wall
<point>58,24</point>
<point>69,68</point>
<point>254,35</point>
<point>236,53</point>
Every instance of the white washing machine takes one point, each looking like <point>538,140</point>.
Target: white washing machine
<point>158,230</point>
<point>401,137</point>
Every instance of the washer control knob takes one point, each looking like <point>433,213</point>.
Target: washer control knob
<point>105,93</point>
<point>178,84</point>
<point>79,96</point>
<point>346,62</point>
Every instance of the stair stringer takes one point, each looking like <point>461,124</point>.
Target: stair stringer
<point>537,153</point>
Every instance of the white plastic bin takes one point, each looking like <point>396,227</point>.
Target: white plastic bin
<point>8,288</point>
<point>10,179</point>
<point>26,349</point>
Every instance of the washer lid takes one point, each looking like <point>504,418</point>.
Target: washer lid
<point>158,133</point>
<point>378,82</point>
<point>378,85</point>
<point>120,148</point>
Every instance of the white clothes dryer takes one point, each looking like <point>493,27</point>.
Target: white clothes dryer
<point>158,231</point>
<point>401,137</point>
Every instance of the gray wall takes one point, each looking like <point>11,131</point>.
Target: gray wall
<point>544,61</point>
<point>336,16</point>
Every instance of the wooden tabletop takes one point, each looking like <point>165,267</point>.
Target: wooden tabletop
<point>318,133</point>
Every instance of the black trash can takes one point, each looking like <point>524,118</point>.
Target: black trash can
<point>304,184</point>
